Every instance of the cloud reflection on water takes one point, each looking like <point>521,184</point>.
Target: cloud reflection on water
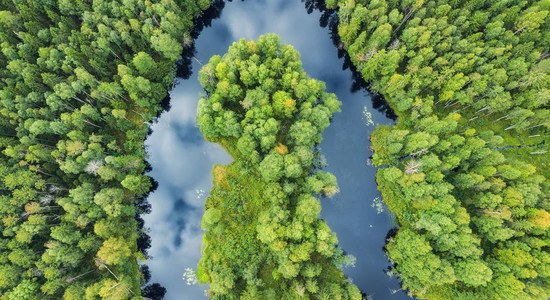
<point>182,160</point>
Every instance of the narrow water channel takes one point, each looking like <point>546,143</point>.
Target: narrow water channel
<point>182,160</point>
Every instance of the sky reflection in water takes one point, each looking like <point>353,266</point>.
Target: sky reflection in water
<point>182,160</point>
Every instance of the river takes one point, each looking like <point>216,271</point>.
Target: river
<point>182,160</point>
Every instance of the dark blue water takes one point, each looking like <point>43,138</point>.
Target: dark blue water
<point>182,160</point>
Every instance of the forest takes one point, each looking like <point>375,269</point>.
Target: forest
<point>262,213</point>
<point>465,171</point>
<point>79,82</point>
<point>466,168</point>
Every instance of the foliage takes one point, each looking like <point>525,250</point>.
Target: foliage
<point>265,239</point>
<point>79,81</point>
<point>469,81</point>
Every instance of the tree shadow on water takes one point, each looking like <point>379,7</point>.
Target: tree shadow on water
<point>329,19</point>
<point>184,65</point>
<point>184,71</point>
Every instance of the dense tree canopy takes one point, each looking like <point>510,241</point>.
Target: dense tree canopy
<point>79,81</point>
<point>265,239</point>
<point>467,167</point>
